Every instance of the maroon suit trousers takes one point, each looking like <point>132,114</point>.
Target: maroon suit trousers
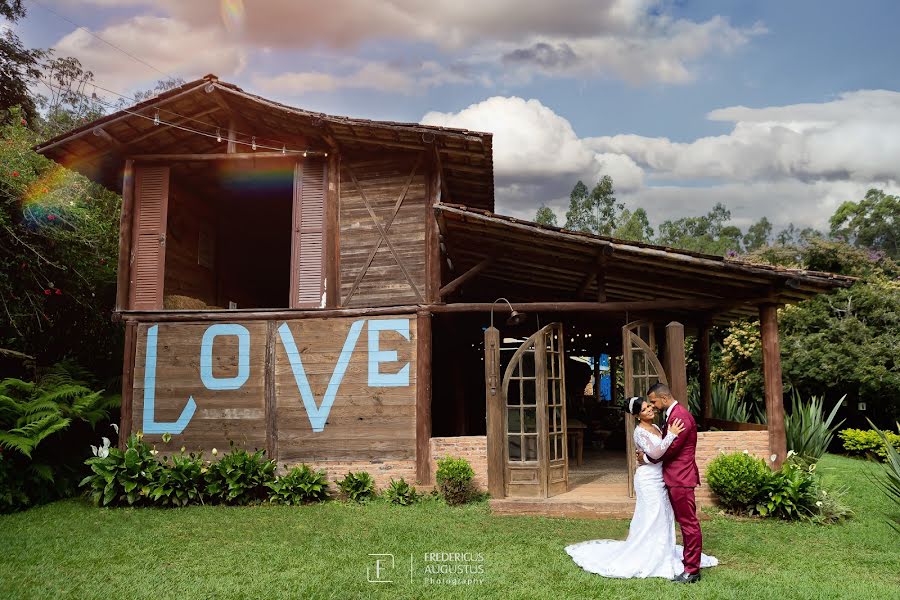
<point>685,507</point>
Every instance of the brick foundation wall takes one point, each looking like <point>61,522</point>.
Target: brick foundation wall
<point>381,471</point>
<point>712,443</point>
<point>473,448</point>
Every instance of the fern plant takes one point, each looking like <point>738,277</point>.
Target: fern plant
<point>30,412</point>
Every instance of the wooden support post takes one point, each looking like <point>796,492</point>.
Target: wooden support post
<point>231,147</point>
<point>676,368</point>
<point>125,417</point>
<point>494,410</point>
<point>271,407</point>
<point>432,241</point>
<point>126,219</point>
<point>423,397</point>
<point>774,392</point>
<point>703,361</point>
<point>597,378</point>
<point>333,233</point>
<point>601,278</point>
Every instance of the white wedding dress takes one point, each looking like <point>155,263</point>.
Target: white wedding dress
<point>650,549</point>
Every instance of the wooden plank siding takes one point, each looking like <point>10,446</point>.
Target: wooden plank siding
<point>367,362</point>
<point>384,181</point>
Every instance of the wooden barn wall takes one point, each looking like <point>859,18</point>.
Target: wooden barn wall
<point>382,178</point>
<point>328,392</point>
<point>184,275</point>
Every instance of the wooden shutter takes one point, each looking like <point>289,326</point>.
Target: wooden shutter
<point>151,199</point>
<point>308,245</point>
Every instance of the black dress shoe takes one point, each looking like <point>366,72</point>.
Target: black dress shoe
<point>687,578</point>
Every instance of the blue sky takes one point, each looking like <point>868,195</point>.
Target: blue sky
<point>648,91</point>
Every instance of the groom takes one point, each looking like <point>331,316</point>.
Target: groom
<point>681,476</point>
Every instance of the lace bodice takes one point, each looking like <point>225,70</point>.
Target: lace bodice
<point>652,445</point>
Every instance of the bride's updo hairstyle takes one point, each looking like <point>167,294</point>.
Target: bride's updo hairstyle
<point>633,405</point>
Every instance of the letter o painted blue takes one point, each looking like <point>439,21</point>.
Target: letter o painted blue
<point>206,348</point>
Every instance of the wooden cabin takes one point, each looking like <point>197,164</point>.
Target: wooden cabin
<point>330,289</point>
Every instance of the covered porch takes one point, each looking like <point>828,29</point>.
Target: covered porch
<point>634,303</point>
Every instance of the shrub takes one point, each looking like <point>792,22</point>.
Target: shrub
<point>737,479</point>
<point>302,485</point>
<point>400,492</point>
<point>454,480</point>
<point>787,494</point>
<point>240,477</point>
<point>42,423</point>
<point>179,482</point>
<point>807,429</point>
<point>868,442</point>
<point>118,477</point>
<point>889,481</point>
<point>358,487</point>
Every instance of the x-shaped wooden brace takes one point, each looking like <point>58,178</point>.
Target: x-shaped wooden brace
<point>383,230</point>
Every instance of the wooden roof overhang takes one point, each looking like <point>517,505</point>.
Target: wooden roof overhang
<point>98,149</point>
<point>529,263</point>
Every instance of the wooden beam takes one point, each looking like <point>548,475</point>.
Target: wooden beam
<point>157,130</point>
<point>774,391</point>
<point>676,366</point>
<point>105,136</point>
<point>231,148</point>
<point>203,316</point>
<point>445,193</point>
<point>271,410</point>
<point>593,307</point>
<point>423,397</point>
<point>291,154</point>
<point>459,281</point>
<point>126,407</point>
<point>433,269</point>
<point>126,218</point>
<point>333,233</point>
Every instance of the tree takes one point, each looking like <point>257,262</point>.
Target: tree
<point>707,233</point>
<point>67,104</point>
<point>594,212</point>
<point>634,226</point>
<point>19,66</point>
<point>757,235</point>
<point>792,236</point>
<point>873,222</point>
<point>545,216</point>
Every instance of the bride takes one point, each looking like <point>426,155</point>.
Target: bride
<point>650,549</point>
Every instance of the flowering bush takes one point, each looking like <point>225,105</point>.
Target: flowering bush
<point>867,442</point>
<point>122,477</point>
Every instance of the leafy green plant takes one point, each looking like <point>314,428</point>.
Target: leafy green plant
<point>240,477</point>
<point>358,487</point>
<point>808,431</point>
<point>789,494</point>
<point>30,411</point>
<point>122,477</point>
<point>301,485</point>
<point>400,492</point>
<point>889,481</point>
<point>737,479</point>
<point>179,482</point>
<point>454,480</point>
<point>870,443</point>
<point>728,402</point>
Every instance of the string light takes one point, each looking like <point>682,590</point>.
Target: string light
<point>217,135</point>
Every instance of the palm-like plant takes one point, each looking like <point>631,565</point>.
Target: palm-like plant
<point>808,431</point>
<point>727,402</point>
<point>889,481</point>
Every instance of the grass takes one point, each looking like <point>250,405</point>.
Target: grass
<point>71,550</point>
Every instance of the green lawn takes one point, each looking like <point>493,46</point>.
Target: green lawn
<point>70,549</point>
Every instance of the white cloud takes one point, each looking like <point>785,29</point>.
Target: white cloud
<point>635,40</point>
<point>854,137</point>
<point>168,44</point>
<point>374,75</point>
<point>533,143</point>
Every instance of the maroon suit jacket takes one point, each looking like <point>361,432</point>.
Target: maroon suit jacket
<point>680,460</point>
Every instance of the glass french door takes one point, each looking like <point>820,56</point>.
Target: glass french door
<point>534,396</point>
<point>641,369</point>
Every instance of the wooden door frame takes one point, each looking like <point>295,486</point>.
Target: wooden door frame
<point>538,341</point>
<point>629,336</point>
